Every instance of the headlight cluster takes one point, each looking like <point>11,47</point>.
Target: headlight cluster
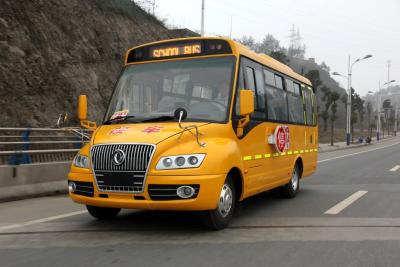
<point>180,161</point>
<point>81,161</point>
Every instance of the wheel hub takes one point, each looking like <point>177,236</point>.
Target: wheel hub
<point>225,200</point>
<point>295,180</point>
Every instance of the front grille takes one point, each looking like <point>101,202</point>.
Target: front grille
<point>84,188</point>
<point>168,192</point>
<point>128,176</point>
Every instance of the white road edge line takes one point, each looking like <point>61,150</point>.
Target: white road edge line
<point>48,219</point>
<point>395,168</point>
<point>357,153</point>
<point>345,203</point>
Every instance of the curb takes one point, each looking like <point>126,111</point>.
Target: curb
<point>320,150</point>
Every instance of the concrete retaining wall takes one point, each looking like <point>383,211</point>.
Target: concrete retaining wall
<point>27,180</point>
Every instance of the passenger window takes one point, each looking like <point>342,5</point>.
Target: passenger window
<point>278,82</point>
<point>315,109</point>
<point>289,86</point>
<point>269,78</point>
<point>260,91</point>
<point>295,104</point>
<point>308,102</point>
<point>277,109</point>
<point>296,89</point>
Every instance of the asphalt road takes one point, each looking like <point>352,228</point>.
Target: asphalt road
<point>347,214</point>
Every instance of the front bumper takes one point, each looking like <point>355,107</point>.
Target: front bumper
<point>207,198</point>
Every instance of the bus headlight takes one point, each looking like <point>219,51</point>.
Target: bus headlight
<point>180,161</point>
<point>81,161</point>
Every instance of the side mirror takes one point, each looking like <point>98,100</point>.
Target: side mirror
<point>62,119</point>
<point>246,102</point>
<point>82,113</point>
<point>246,107</point>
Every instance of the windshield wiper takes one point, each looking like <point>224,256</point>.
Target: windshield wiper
<point>119,119</point>
<point>160,118</point>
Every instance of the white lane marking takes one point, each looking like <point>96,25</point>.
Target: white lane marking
<point>48,219</point>
<point>345,203</point>
<point>395,168</point>
<point>357,153</point>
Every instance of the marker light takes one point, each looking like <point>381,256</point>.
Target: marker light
<point>180,161</point>
<point>193,160</point>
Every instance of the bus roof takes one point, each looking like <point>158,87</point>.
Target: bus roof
<point>240,49</point>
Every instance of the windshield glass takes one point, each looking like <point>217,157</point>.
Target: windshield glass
<point>148,91</point>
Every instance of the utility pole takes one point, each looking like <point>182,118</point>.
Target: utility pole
<point>378,124</point>
<point>348,119</point>
<point>202,18</point>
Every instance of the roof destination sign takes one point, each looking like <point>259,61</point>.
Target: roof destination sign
<point>175,50</point>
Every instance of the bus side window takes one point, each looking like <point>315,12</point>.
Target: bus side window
<point>308,103</point>
<point>260,90</point>
<point>315,109</point>
<point>259,103</point>
<point>295,102</point>
<point>277,108</point>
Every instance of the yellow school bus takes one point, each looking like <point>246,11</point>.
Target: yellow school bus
<point>196,124</point>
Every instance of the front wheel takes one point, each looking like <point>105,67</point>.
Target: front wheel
<point>219,218</point>
<point>290,189</point>
<point>102,213</point>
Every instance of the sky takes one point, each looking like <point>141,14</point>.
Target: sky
<point>331,30</point>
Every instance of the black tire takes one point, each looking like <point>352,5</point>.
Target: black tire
<point>290,189</point>
<point>103,213</point>
<point>217,219</point>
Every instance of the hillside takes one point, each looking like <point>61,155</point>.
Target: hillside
<point>303,66</point>
<point>52,51</point>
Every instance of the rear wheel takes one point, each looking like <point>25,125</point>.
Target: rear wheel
<point>219,218</point>
<point>290,189</point>
<point>103,213</point>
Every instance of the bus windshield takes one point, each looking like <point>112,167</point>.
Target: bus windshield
<point>151,91</point>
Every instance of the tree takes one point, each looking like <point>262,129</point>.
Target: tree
<point>269,45</point>
<point>280,56</point>
<point>387,108</point>
<point>359,107</point>
<point>334,97</point>
<point>325,67</point>
<point>313,76</point>
<point>248,41</point>
<point>326,98</point>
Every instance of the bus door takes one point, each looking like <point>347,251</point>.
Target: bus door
<point>254,144</point>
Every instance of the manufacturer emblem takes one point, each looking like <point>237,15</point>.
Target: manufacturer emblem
<point>118,157</point>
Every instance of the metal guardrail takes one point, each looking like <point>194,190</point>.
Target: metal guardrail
<point>49,144</point>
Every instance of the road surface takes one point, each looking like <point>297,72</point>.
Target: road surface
<point>347,214</point>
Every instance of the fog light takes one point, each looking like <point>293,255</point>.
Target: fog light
<point>71,187</point>
<point>185,191</point>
